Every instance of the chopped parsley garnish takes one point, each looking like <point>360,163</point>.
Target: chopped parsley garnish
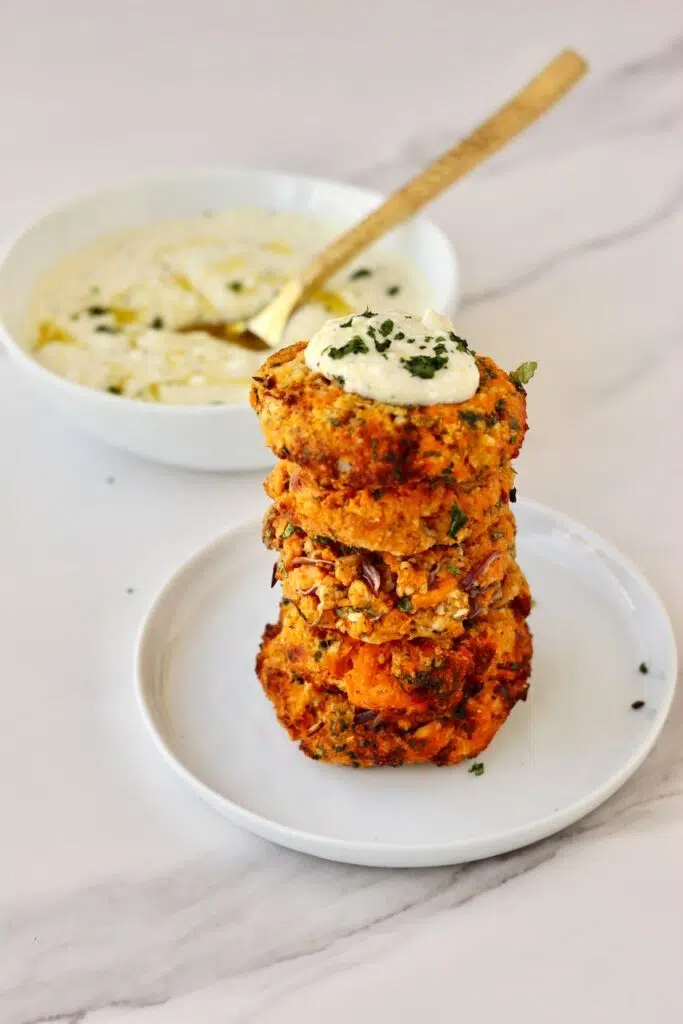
<point>458,520</point>
<point>469,416</point>
<point>353,347</point>
<point>399,336</point>
<point>106,329</point>
<point>157,323</point>
<point>405,604</point>
<point>361,272</point>
<point>235,286</point>
<point>461,344</point>
<point>113,389</point>
<point>425,366</point>
<point>341,381</point>
<point>382,346</point>
<point>347,323</point>
<point>289,529</point>
<point>453,570</point>
<point>367,313</point>
<point>638,704</point>
<point>524,372</point>
<point>386,328</point>
<point>394,290</point>
<point>477,768</point>
<point>643,669</point>
<point>97,310</point>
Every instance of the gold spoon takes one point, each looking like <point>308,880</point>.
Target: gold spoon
<point>266,328</point>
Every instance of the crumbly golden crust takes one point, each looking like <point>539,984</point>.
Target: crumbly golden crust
<point>352,725</point>
<point>402,520</point>
<point>349,441</point>
<point>377,597</point>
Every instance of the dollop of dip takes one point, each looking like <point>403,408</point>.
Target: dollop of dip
<point>396,358</point>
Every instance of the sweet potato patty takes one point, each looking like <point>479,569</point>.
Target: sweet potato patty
<point>419,677</point>
<point>376,598</point>
<point>402,520</point>
<point>343,439</point>
<point>331,725</point>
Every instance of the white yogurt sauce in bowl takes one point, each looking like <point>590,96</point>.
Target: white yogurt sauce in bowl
<point>173,415</point>
<point>132,313</point>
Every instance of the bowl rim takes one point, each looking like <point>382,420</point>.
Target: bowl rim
<point>74,199</point>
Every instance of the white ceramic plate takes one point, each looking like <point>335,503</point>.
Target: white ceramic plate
<point>573,743</point>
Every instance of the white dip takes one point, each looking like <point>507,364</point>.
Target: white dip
<point>109,316</point>
<point>395,358</point>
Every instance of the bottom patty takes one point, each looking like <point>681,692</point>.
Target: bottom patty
<point>326,712</point>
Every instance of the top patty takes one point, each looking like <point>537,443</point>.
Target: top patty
<point>345,439</point>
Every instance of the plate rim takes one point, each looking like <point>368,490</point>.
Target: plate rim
<point>410,855</point>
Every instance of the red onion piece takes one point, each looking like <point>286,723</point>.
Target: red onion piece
<point>370,575</point>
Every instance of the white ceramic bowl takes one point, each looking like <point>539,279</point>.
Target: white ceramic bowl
<point>194,437</point>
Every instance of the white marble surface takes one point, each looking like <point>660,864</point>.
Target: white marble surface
<point>123,900</point>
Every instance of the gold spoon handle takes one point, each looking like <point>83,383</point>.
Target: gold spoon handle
<point>542,92</point>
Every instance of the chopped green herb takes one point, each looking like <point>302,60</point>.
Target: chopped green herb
<point>347,323</point>
<point>386,328</point>
<point>453,570</point>
<point>394,290</point>
<point>524,372</point>
<point>340,381</point>
<point>97,310</point>
<point>458,520</point>
<point>471,417</point>
<point>382,346</point>
<point>113,389</point>
<point>367,313</point>
<point>461,344</point>
<point>289,529</point>
<point>361,272</point>
<point>405,604</point>
<point>106,329</point>
<point>477,768</point>
<point>353,347</point>
<point>157,323</point>
<point>424,366</point>
<point>500,405</point>
<point>496,535</point>
<point>235,286</point>
<point>643,669</point>
<point>399,336</point>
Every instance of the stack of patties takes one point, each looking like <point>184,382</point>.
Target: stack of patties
<point>402,634</point>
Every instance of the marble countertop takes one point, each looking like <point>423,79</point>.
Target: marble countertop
<point>122,899</point>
